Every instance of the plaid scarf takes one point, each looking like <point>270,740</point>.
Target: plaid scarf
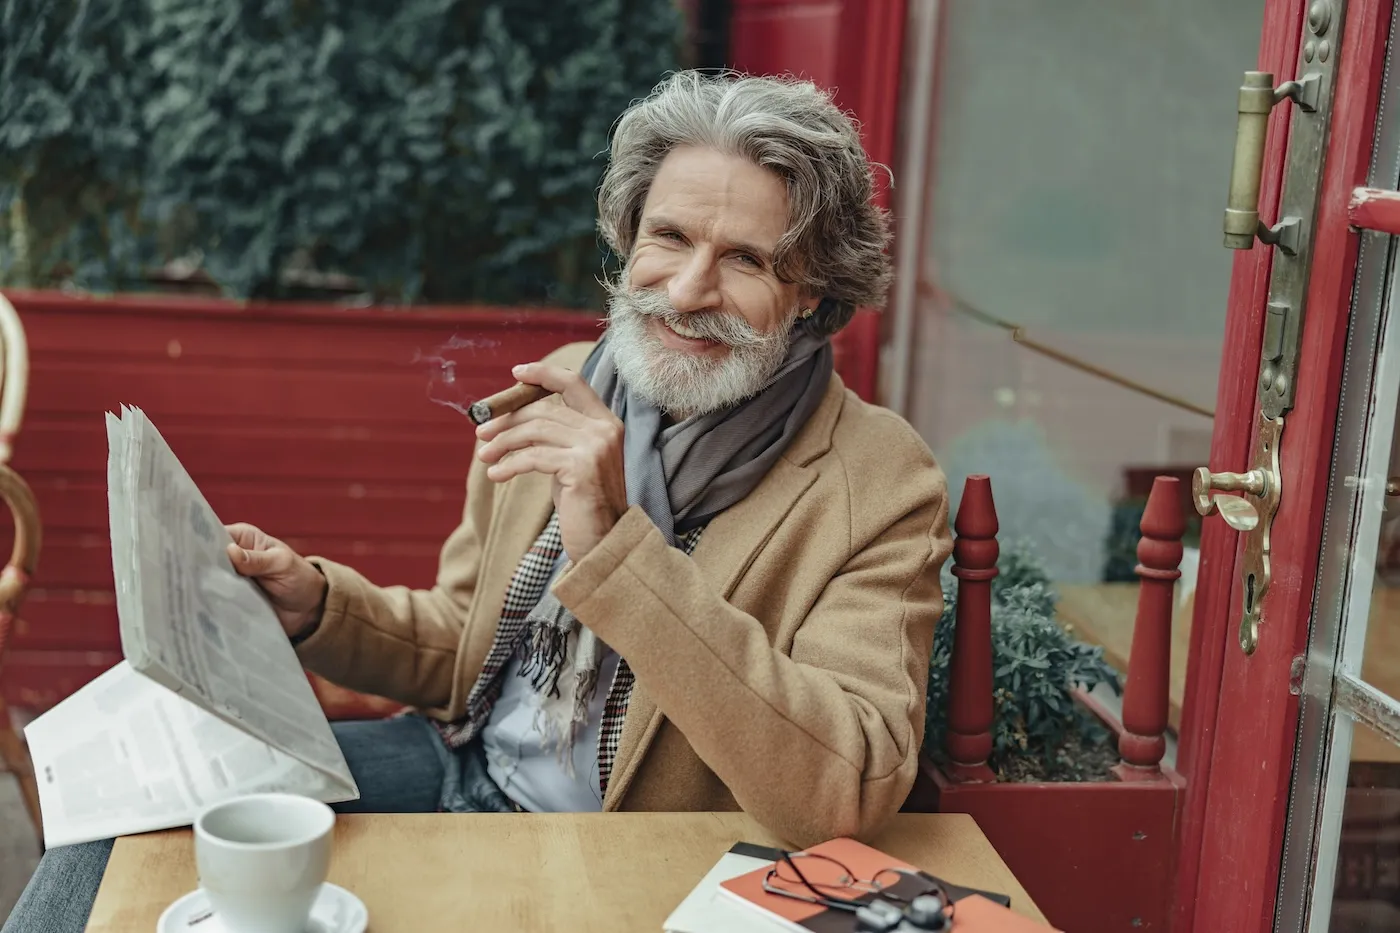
<point>528,585</point>
<point>681,474</point>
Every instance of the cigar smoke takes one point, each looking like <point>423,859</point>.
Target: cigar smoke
<point>449,368</point>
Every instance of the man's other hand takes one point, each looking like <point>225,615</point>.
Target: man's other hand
<point>578,443</point>
<point>295,587</point>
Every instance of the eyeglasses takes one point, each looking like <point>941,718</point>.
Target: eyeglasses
<point>882,902</point>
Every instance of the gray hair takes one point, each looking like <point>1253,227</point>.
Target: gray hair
<point>836,237</point>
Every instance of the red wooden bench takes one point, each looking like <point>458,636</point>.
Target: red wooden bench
<point>312,422</point>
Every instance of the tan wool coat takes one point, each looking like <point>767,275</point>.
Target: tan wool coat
<point>782,668</point>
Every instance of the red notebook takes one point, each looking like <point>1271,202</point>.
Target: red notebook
<point>972,912</point>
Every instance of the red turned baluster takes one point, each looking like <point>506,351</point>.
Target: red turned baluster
<point>975,552</point>
<point>1145,694</point>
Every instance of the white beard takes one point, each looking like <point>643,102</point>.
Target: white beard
<point>684,384</point>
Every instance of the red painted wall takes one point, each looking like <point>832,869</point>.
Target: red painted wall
<point>314,423</point>
<point>311,421</point>
<point>798,37</point>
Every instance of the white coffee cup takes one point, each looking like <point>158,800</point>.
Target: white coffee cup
<point>262,860</point>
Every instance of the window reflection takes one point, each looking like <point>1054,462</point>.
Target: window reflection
<point>1366,894</point>
<point>1067,194</point>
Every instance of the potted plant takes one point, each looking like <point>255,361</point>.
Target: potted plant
<point>1015,739</point>
<point>1041,732</point>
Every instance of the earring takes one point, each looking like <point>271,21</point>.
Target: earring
<point>806,313</point>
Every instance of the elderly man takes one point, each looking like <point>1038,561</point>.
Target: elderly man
<point>701,576</point>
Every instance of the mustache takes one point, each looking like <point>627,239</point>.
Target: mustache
<point>727,329</point>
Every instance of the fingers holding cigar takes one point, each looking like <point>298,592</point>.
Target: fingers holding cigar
<point>539,381</point>
<point>562,430</point>
<point>545,394</point>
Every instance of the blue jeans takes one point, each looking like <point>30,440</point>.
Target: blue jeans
<point>399,765</point>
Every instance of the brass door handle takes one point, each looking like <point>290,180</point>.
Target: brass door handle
<point>1258,97</point>
<point>1238,513</point>
<point>1251,514</point>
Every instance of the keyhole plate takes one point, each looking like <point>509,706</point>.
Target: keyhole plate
<point>1256,573</point>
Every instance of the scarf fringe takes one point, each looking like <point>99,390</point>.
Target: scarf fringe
<point>542,653</point>
<point>585,684</point>
<point>545,663</point>
<point>558,735</point>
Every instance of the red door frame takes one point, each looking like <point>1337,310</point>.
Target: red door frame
<point>1240,720</point>
<point>1235,410</point>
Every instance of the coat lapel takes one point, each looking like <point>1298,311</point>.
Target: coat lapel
<point>727,548</point>
<point>525,505</point>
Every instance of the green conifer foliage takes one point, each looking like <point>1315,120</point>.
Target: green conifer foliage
<point>437,150</point>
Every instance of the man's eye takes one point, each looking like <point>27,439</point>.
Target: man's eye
<point>671,235</point>
<point>751,260</point>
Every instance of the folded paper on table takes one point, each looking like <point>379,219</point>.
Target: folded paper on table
<point>703,911</point>
<point>211,701</point>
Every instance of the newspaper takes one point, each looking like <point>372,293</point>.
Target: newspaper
<point>211,701</point>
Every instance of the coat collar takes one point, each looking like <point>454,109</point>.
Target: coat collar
<point>815,437</point>
<point>729,545</point>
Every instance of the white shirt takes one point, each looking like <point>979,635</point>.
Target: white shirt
<point>531,774</point>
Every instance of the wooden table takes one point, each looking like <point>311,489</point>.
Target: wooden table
<point>420,873</point>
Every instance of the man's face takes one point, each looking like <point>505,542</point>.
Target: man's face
<point>701,320</point>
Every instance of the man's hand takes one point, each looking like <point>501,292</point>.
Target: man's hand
<point>578,442</point>
<point>293,584</point>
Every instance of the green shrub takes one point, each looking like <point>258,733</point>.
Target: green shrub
<point>1035,664</point>
<point>437,150</point>
<point>72,144</point>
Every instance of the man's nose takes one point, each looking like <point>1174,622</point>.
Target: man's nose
<point>695,286</point>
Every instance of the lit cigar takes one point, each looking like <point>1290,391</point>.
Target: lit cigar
<point>506,401</point>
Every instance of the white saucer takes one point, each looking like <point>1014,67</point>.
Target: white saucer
<point>336,911</point>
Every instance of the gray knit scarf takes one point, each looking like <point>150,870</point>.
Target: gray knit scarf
<point>681,475</point>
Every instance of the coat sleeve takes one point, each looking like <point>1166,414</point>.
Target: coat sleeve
<point>818,743</point>
<point>398,642</point>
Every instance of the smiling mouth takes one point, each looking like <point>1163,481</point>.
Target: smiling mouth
<point>680,336</point>
<point>686,332</point>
